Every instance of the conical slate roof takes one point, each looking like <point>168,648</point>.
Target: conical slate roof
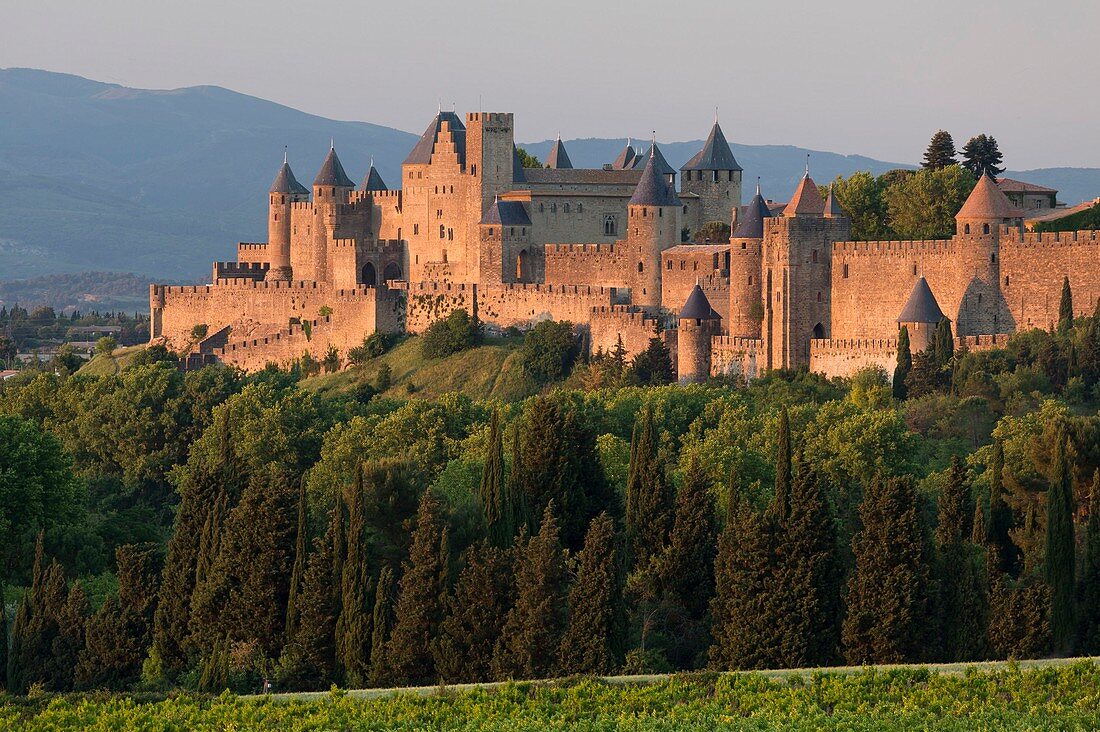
<point>921,307</point>
<point>285,182</point>
<point>558,157</point>
<point>421,154</point>
<point>373,181</point>
<point>506,213</point>
<point>625,161</point>
<point>988,201</point>
<point>653,189</point>
<point>697,306</point>
<point>663,168</point>
<point>715,155</point>
<point>751,225</point>
<point>833,209</point>
<point>332,172</point>
<point>806,200</point>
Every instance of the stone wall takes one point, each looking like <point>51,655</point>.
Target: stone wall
<point>608,324</point>
<point>736,356</point>
<point>599,264</point>
<point>1033,267</point>
<point>684,265</point>
<point>844,357</point>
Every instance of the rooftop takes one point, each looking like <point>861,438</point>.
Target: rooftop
<point>285,182</point>
<point>697,306</point>
<point>715,155</point>
<point>506,213</point>
<point>332,172</point>
<point>806,200</point>
<point>653,189</point>
<point>921,307</point>
<point>751,223</point>
<point>421,153</point>
<point>987,201</point>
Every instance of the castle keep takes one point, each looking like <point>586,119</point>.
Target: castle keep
<point>470,228</point>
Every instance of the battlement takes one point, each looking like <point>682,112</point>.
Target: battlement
<point>240,270</point>
<point>895,248</point>
<point>252,246</point>
<point>301,206</point>
<point>490,117</point>
<point>625,315</point>
<point>852,345</point>
<point>736,343</point>
<point>982,342</point>
<point>580,249</point>
<point>1053,238</point>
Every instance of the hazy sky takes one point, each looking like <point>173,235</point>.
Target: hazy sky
<point>875,77</point>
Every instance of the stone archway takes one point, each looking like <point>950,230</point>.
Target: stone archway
<point>368,276</point>
<point>819,332</point>
<point>523,266</point>
<point>391,272</point>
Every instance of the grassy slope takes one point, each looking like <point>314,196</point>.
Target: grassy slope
<point>102,365</point>
<point>490,371</point>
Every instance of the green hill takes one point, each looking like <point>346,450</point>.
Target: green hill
<point>103,365</point>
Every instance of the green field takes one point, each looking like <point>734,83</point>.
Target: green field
<point>1053,695</point>
<point>104,365</point>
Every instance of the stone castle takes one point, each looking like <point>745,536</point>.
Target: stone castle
<point>471,228</point>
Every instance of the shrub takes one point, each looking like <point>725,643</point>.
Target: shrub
<point>457,332</point>
<point>199,331</point>
<point>106,345</point>
<point>549,351</point>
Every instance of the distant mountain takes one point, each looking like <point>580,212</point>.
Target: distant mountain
<point>98,177</point>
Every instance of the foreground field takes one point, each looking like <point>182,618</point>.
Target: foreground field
<point>1008,697</point>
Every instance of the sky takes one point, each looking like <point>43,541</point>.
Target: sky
<point>870,77</point>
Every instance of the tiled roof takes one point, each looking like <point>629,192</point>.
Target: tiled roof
<point>421,153</point>
<point>697,306</point>
<point>751,225</point>
<point>332,172</point>
<point>558,157</point>
<point>507,213</point>
<point>806,200</point>
<point>715,155</point>
<point>1008,185</point>
<point>373,181</point>
<point>285,182</point>
<point>987,201</point>
<point>653,189</point>
<point>921,307</point>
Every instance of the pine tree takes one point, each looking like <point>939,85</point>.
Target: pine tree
<point>300,559</point>
<point>982,156</point>
<point>353,625</point>
<point>419,608</point>
<point>905,364</point>
<point>529,643</point>
<point>1090,576</point>
<point>30,658</point>
<point>1019,617</point>
<point>1004,555</point>
<point>593,639</point>
<point>649,499</point>
<point>475,615</point>
<point>653,366</point>
<point>804,598</point>
<point>215,668</point>
<point>542,461</point>
<point>1065,308</point>
<point>381,622</point>
<point>499,522</point>
<point>888,588</point>
<point>1059,561</point>
<point>941,151</point>
<point>964,597</point>
<point>953,525</point>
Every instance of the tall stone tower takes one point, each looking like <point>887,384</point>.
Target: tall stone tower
<point>797,274</point>
<point>285,192</point>
<point>698,322</point>
<point>715,177</point>
<point>331,189</point>
<point>507,253</point>
<point>653,221</point>
<point>491,162</point>
<point>978,228</point>
<point>746,245</point>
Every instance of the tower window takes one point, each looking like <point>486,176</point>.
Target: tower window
<point>914,269</point>
<point>819,295</point>
<point>813,256</point>
<point>450,234</point>
<point>985,228</point>
<point>750,279</point>
<point>442,231</point>
<point>640,266</point>
<point>1006,280</point>
<point>966,229</point>
<point>416,228</point>
<point>993,257</point>
<point>512,231</point>
<point>609,226</point>
<point>845,271</point>
<point>553,208</point>
<point>566,208</point>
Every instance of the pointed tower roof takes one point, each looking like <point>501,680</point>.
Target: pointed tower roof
<point>506,213</point>
<point>715,155</point>
<point>285,182</point>
<point>421,154</point>
<point>921,307</point>
<point>332,172</point>
<point>653,189</point>
<point>806,200</point>
<point>373,181</point>
<point>663,168</point>
<point>833,209</point>
<point>988,201</point>
<point>626,158</point>
<point>751,225</point>
<point>697,306</point>
<point>558,157</point>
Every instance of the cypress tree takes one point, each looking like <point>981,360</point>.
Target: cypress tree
<point>586,483</point>
<point>941,151</point>
<point>804,600</point>
<point>687,567</point>
<point>979,535</point>
<point>963,592</point>
<point>1090,575</point>
<point>649,499</point>
<point>499,523</point>
<point>529,642</point>
<point>780,507</point>
<point>3,637</point>
<point>381,622</point>
<point>309,656</point>
<point>353,625</point>
<point>593,639</point>
<point>30,658</point>
<point>515,495</point>
<point>475,615</point>
<point>905,365</point>
<point>542,461</point>
<point>944,344</point>
<point>215,668</point>
<point>954,512</point>
<point>419,608</point>
<point>300,559</point>
<point>66,647</point>
<point>1019,618</point>
<point>1065,308</point>
<point>887,590</point>
<point>1003,553</point>
<point>1060,559</point>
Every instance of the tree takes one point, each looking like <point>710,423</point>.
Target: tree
<point>30,658</point>
<point>1004,555</point>
<point>309,654</point>
<point>649,498</point>
<point>653,366</point>
<point>926,377</point>
<point>712,232</point>
<point>549,351</point>
<point>963,591</point>
<point>780,507</point>
<point>1089,636</point>
<point>475,615</point>
<point>687,566</point>
<point>419,608</point>
<point>500,523</point>
<point>888,588</point>
<point>71,621</point>
<point>905,365</point>
<point>860,196</point>
<point>457,332</point>
<point>381,623</point>
<point>941,151</point>
<point>529,643</point>
<point>353,624</point>
<point>593,639</point>
<point>527,160</point>
<point>943,345</point>
<point>301,556</point>
<point>982,156</point>
<point>1059,563</point>
<point>1065,308</point>
<point>923,205</point>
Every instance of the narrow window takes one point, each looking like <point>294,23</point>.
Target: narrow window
<point>1006,280</point>
<point>985,228</point>
<point>750,280</point>
<point>966,229</point>
<point>640,266</point>
<point>669,265</point>
<point>442,231</point>
<point>845,271</point>
<point>813,256</point>
<point>567,208</point>
<point>914,269</point>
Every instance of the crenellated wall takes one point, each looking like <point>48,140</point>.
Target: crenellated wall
<point>736,356</point>
<point>844,357</point>
<point>598,264</point>
<point>1033,266</point>
<point>608,323</point>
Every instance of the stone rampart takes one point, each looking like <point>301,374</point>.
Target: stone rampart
<point>252,252</point>
<point>736,356</point>
<point>846,356</point>
<point>608,323</point>
<point>606,265</point>
<point>1033,266</point>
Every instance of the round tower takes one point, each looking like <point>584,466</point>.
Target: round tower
<point>920,316</point>
<point>653,225</point>
<point>697,324</point>
<point>714,178</point>
<point>746,245</point>
<point>331,189</point>
<point>285,192</point>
